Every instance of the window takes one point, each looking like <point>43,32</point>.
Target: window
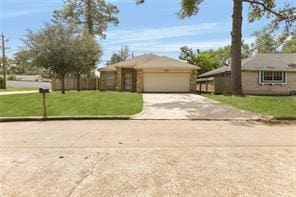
<point>110,78</point>
<point>273,77</point>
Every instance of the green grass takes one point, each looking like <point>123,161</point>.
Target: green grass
<point>72,103</point>
<point>279,106</point>
<point>11,89</point>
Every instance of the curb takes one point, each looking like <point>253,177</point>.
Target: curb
<point>285,118</point>
<point>268,119</point>
<point>60,118</point>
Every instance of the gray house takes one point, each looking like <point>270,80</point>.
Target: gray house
<point>262,74</point>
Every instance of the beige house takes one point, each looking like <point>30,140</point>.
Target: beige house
<point>149,73</point>
<point>262,74</point>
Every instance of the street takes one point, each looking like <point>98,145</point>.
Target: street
<point>147,158</point>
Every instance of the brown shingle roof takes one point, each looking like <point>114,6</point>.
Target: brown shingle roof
<point>261,61</point>
<point>150,61</point>
<point>166,63</point>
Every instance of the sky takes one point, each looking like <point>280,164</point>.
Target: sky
<point>149,28</point>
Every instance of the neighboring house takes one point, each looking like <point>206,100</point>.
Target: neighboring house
<point>262,74</point>
<point>149,73</point>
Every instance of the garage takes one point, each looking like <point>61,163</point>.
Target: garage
<point>166,82</point>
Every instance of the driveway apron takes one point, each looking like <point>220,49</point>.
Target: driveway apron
<point>189,106</point>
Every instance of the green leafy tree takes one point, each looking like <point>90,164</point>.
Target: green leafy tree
<point>54,48</point>
<point>93,15</point>
<point>264,42</point>
<point>120,55</point>
<point>290,45</point>
<point>210,59</point>
<point>206,60</point>
<point>23,63</point>
<point>86,51</point>
<point>258,9</point>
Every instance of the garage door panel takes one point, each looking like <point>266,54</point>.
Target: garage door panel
<point>166,82</point>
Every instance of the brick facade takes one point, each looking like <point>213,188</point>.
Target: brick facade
<point>119,81</point>
<point>140,81</point>
<point>193,78</point>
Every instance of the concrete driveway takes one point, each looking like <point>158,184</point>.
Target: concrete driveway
<point>189,106</point>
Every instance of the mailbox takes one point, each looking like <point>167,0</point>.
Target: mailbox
<point>43,90</point>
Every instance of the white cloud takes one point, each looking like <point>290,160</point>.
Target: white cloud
<point>166,40</point>
<point>148,34</point>
<point>16,8</point>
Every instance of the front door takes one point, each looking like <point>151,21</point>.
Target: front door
<point>128,81</point>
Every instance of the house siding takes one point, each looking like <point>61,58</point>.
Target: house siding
<point>251,84</point>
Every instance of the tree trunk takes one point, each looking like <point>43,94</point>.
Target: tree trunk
<point>63,83</point>
<point>236,47</point>
<point>89,18</point>
<point>78,82</point>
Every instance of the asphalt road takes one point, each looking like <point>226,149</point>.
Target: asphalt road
<point>147,158</point>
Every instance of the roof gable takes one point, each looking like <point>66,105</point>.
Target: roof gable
<point>150,61</point>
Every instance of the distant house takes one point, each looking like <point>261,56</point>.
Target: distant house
<point>149,73</point>
<point>262,74</point>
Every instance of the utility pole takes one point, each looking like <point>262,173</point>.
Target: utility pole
<point>3,61</point>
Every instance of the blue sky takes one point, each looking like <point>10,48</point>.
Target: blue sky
<point>149,28</point>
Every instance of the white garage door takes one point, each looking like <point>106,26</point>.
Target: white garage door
<point>166,82</point>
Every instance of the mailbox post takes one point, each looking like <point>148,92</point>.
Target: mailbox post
<point>43,92</point>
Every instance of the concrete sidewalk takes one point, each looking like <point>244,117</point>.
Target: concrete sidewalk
<point>190,106</point>
<point>18,92</point>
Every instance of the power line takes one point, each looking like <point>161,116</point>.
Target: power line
<point>14,34</point>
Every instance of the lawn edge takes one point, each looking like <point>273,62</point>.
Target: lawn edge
<point>53,118</point>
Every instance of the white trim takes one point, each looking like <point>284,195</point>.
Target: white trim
<point>272,82</point>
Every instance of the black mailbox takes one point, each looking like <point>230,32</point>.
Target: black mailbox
<point>43,90</point>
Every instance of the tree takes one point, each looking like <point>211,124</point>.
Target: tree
<point>120,55</point>
<point>52,49</point>
<point>258,9</point>
<point>206,60</point>
<point>290,45</point>
<point>87,52</point>
<point>93,15</point>
<point>23,63</point>
<point>210,59</point>
<point>264,43</point>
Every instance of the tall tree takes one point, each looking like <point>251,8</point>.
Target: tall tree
<point>54,48</point>
<point>93,15</point>
<point>87,52</point>
<point>290,45</point>
<point>264,42</point>
<point>120,55</point>
<point>258,10</point>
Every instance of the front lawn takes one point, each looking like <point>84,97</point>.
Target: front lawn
<point>72,103</point>
<point>279,106</point>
